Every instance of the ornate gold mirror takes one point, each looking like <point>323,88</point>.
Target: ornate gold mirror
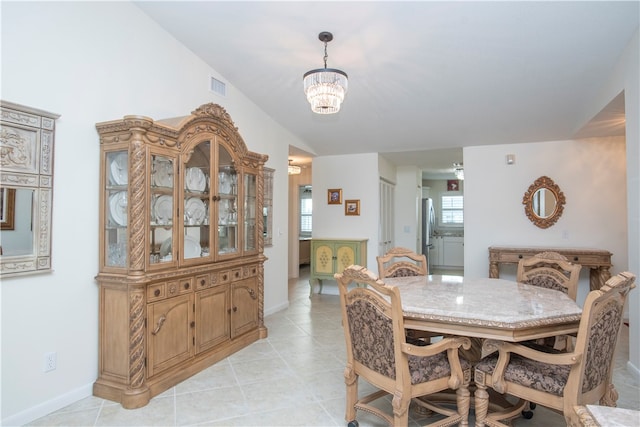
<point>543,202</point>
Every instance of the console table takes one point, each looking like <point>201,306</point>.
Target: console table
<point>598,260</point>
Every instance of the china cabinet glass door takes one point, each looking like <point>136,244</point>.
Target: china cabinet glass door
<point>196,203</point>
<point>227,203</point>
<point>116,206</point>
<point>250,205</point>
<point>162,219</point>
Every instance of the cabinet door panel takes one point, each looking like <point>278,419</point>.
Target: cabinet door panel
<point>453,251</point>
<point>244,306</point>
<point>323,259</point>
<point>169,333</point>
<point>212,323</point>
<point>346,256</point>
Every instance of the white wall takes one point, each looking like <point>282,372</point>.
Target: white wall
<point>626,77</point>
<point>408,196</point>
<point>357,176</point>
<point>91,62</point>
<point>592,175</point>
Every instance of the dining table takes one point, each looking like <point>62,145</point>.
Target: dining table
<point>484,308</point>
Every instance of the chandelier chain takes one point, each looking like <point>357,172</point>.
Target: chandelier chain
<point>325,54</point>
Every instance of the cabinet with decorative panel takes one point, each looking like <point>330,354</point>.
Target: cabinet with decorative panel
<point>181,250</point>
<point>331,256</point>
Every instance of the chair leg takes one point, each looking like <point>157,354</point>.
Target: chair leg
<point>400,410</point>
<point>481,401</point>
<point>463,401</point>
<point>351,380</point>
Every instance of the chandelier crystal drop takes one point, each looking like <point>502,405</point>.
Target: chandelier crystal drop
<point>325,88</point>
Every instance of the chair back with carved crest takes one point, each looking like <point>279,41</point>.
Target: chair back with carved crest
<point>400,262</point>
<point>550,270</point>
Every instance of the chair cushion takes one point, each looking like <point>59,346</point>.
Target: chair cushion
<point>372,341</point>
<point>431,368</point>
<point>602,344</point>
<point>372,338</point>
<point>529,373</point>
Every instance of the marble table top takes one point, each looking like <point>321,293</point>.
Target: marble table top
<point>596,416</point>
<point>492,304</point>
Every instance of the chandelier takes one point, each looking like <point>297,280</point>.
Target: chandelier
<point>325,87</point>
<point>293,170</point>
<point>458,171</point>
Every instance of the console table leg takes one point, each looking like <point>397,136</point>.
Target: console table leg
<point>597,277</point>
<point>494,273</point>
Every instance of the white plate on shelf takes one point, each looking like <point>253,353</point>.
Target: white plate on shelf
<point>192,247</point>
<point>196,180</point>
<point>165,248</point>
<point>118,207</point>
<point>162,173</point>
<point>119,169</point>
<point>195,210</point>
<point>163,209</point>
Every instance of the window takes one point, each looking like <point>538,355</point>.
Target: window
<point>452,210</point>
<point>306,209</point>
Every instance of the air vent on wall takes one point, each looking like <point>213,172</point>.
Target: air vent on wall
<point>218,87</point>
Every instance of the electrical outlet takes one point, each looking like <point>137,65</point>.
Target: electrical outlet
<point>50,360</point>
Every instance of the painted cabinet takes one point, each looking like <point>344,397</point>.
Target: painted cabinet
<point>331,256</point>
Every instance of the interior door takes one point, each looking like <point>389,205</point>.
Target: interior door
<point>385,232</point>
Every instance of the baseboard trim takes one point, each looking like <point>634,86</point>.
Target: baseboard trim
<point>47,407</point>
<point>277,308</point>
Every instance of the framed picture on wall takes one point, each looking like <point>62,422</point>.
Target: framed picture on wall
<point>453,185</point>
<point>352,207</point>
<point>334,196</point>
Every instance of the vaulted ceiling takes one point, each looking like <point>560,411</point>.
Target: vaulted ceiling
<point>423,75</point>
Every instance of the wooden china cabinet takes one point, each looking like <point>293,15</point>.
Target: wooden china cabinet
<point>181,250</point>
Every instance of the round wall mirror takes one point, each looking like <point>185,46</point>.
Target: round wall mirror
<point>543,202</point>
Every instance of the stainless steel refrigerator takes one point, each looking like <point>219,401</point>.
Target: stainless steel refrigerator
<point>428,225</point>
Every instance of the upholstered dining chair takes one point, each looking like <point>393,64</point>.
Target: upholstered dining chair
<point>559,381</point>
<point>553,271</point>
<point>403,262</point>
<point>400,262</point>
<point>378,352</point>
<point>550,270</point>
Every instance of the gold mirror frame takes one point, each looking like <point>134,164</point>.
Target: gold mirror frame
<point>546,183</point>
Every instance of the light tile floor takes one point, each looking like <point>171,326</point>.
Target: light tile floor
<point>292,378</point>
